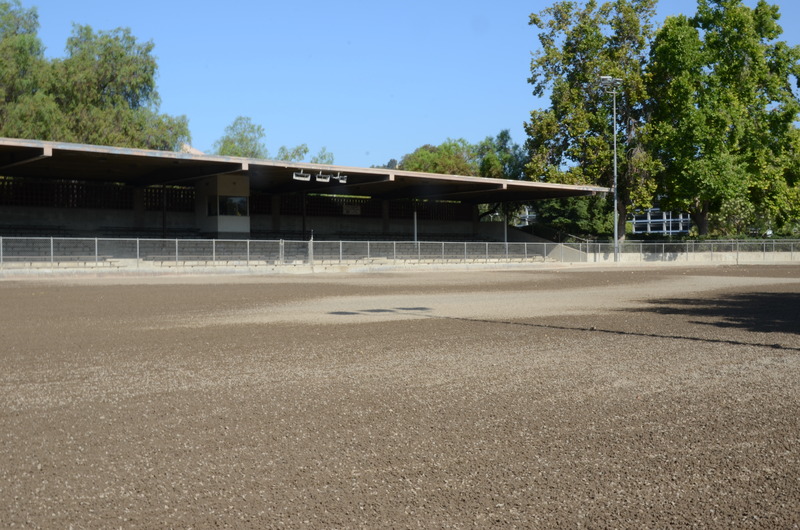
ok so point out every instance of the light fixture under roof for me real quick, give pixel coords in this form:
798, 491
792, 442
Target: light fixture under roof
322, 178
299, 175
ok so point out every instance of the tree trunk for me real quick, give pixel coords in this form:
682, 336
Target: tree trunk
699, 217
621, 220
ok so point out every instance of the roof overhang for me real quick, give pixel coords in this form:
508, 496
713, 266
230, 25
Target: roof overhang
140, 167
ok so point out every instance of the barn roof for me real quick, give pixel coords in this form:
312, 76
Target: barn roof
141, 167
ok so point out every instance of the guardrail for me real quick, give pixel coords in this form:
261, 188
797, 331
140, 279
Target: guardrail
728, 251
58, 252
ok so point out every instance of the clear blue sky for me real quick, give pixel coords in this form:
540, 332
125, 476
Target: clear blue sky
368, 80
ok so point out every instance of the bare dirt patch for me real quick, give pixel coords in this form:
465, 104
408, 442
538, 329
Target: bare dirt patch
571, 397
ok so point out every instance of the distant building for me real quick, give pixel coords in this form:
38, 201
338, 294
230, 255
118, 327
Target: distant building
656, 221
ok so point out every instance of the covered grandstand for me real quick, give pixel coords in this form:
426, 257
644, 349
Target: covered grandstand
62, 189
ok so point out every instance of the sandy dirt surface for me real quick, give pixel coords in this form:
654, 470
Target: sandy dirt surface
609, 398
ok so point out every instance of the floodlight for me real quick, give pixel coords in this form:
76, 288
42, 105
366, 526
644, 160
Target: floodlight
299, 175
322, 178
608, 81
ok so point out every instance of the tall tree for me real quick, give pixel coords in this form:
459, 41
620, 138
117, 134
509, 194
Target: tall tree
451, 157
723, 116
499, 157
106, 89
295, 154
103, 92
21, 52
322, 157
571, 141
246, 139
242, 138
27, 109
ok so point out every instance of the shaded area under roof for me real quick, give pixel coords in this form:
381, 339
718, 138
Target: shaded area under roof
140, 167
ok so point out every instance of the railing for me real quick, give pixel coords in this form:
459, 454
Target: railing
53, 252
729, 251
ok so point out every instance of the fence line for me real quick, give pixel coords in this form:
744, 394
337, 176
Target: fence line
32, 252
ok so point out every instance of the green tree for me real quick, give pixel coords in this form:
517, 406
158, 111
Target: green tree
575, 216
452, 157
500, 158
571, 141
295, 154
21, 52
103, 92
106, 89
27, 110
322, 157
723, 116
242, 138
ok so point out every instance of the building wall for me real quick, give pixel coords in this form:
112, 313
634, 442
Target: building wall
15, 220
359, 227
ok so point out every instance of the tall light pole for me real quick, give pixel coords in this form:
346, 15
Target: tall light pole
606, 81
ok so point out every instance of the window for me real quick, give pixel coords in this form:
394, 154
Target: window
224, 205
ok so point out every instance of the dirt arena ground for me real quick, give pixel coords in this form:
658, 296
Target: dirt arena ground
569, 397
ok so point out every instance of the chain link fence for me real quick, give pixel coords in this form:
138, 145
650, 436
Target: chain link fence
55, 252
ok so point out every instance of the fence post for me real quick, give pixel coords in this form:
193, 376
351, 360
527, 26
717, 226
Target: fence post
1, 251
214, 251
138, 255
52, 258
311, 252
96, 259
340, 252
176, 251
248, 252
280, 252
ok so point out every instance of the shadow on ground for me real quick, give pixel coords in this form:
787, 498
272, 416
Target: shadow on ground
760, 312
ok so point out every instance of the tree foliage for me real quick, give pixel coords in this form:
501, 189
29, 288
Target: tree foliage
453, 157
707, 110
723, 116
246, 139
242, 138
295, 154
322, 157
103, 92
571, 141
499, 157
494, 157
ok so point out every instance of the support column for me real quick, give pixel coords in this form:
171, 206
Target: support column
276, 213
385, 216
138, 208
